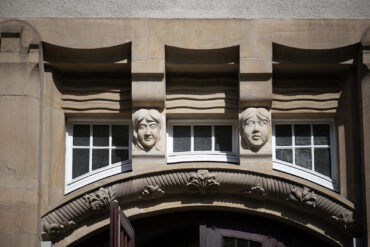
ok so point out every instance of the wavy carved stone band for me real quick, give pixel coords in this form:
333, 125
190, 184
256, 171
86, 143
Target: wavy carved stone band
206, 182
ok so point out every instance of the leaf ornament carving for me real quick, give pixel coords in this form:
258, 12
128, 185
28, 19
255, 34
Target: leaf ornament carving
152, 191
303, 195
256, 191
203, 182
100, 199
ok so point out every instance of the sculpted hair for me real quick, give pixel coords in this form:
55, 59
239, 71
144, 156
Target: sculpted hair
261, 113
142, 114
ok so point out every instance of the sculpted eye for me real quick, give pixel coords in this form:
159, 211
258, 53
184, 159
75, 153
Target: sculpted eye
262, 122
249, 123
142, 126
153, 126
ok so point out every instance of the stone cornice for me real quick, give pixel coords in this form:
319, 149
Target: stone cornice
210, 184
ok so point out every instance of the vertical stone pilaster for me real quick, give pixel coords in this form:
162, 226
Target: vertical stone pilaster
365, 99
255, 91
148, 93
20, 135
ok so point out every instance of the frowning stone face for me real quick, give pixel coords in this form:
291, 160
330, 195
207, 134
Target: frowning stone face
147, 126
255, 127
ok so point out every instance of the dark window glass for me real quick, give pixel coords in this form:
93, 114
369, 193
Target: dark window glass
224, 138
101, 135
80, 162
284, 155
229, 242
202, 138
322, 161
242, 242
303, 157
120, 135
302, 133
81, 135
181, 138
100, 158
119, 155
321, 134
254, 244
283, 135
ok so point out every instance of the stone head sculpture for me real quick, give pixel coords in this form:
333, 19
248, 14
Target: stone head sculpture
147, 127
255, 126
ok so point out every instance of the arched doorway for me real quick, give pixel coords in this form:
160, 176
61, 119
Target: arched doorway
210, 229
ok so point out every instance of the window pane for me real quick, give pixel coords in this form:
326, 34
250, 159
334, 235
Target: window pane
284, 155
119, 155
202, 138
283, 135
254, 244
302, 133
100, 158
120, 135
224, 138
242, 242
181, 138
101, 135
321, 134
303, 157
322, 161
80, 162
81, 135
229, 242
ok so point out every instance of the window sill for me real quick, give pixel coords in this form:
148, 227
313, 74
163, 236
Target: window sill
202, 156
97, 175
306, 174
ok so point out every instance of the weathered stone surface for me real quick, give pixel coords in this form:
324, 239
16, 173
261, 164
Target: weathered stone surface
309, 34
107, 32
201, 34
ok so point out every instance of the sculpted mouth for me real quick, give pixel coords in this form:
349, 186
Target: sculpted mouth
256, 136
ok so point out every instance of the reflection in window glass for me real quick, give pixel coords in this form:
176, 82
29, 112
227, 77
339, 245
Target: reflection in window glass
202, 138
307, 146
283, 135
223, 138
181, 138
87, 157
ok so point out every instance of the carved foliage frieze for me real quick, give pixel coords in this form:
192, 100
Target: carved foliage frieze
304, 196
100, 200
55, 228
203, 182
256, 191
151, 191
345, 219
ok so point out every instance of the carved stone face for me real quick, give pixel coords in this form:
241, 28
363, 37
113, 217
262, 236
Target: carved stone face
148, 133
147, 126
255, 127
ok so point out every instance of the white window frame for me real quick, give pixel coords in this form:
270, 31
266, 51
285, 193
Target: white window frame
311, 175
190, 156
110, 170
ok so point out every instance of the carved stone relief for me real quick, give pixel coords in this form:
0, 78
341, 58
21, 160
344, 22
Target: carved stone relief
152, 191
203, 182
55, 228
255, 126
165, 185
345, 219
100, 199
303, 195
255, 192
147, 127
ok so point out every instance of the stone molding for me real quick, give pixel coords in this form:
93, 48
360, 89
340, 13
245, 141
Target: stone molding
211, 184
